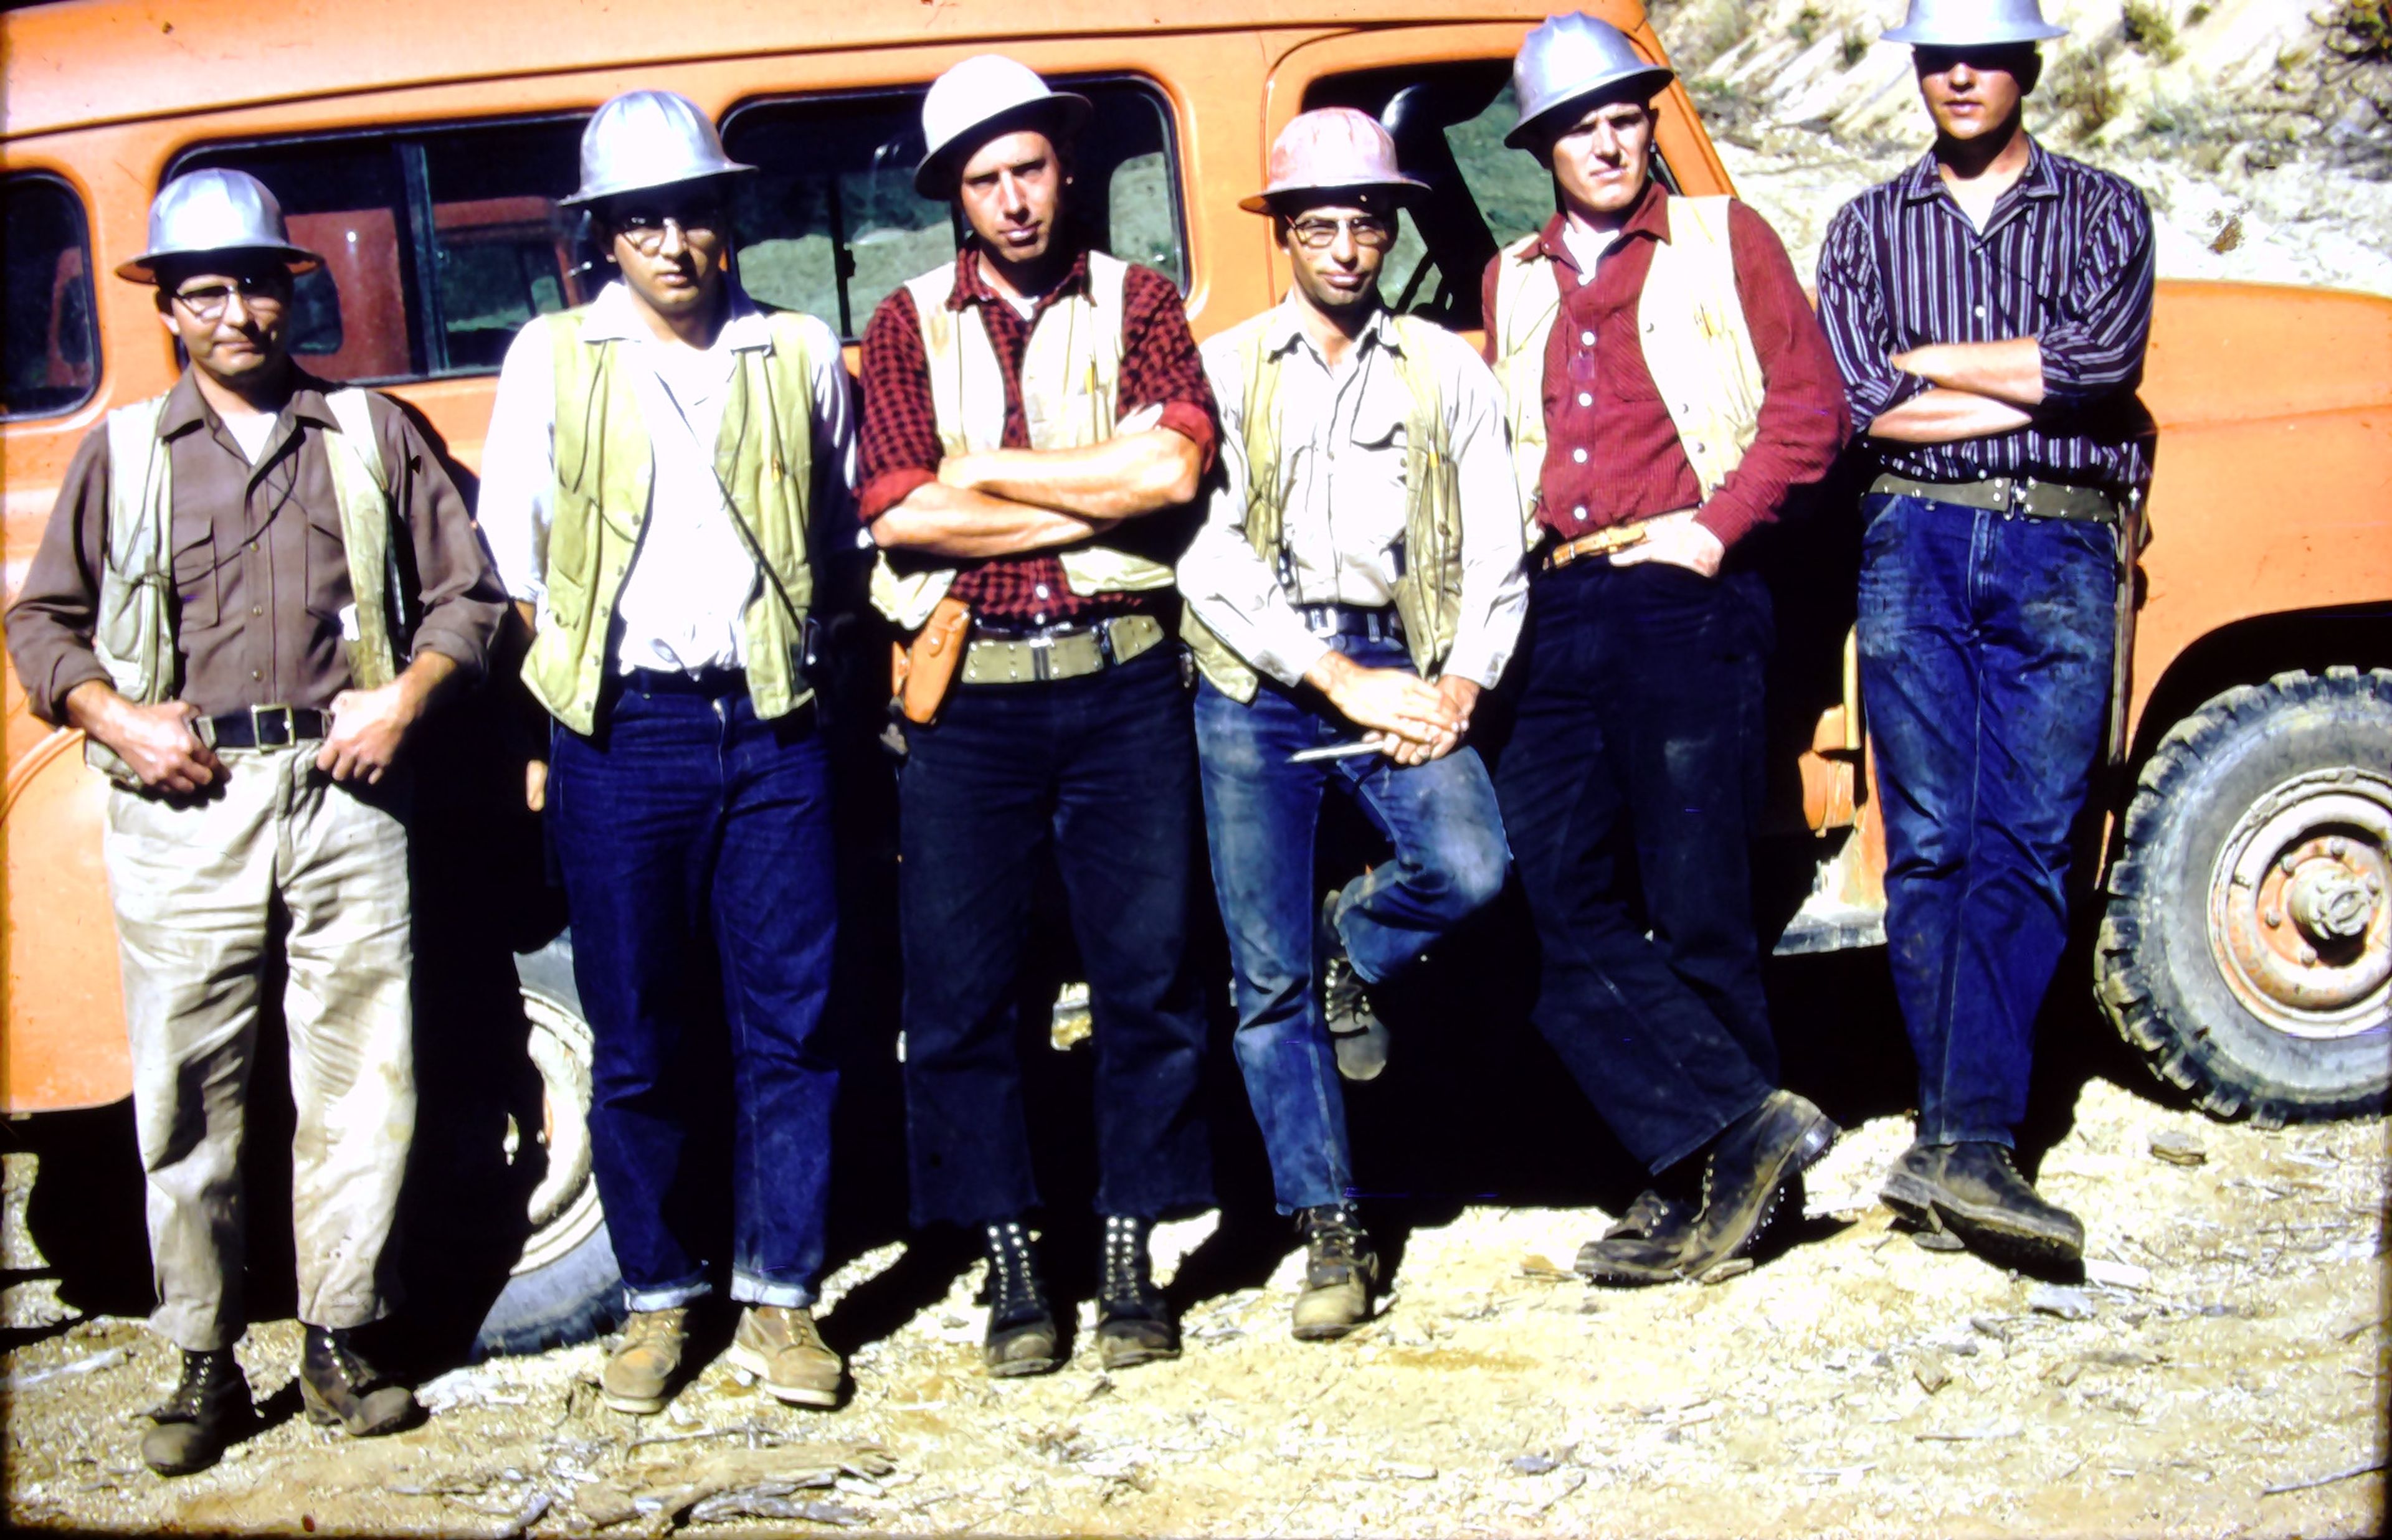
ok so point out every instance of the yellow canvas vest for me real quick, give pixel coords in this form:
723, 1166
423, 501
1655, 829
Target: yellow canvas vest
1428, 589
1070, 374
133, 632
604, 470
1697, 346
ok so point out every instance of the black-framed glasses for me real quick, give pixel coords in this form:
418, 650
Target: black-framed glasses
1315, 233
207, 302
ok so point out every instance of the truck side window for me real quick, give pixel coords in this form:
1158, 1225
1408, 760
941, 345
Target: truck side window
438, 245
831, 224
1448, 122
52, 345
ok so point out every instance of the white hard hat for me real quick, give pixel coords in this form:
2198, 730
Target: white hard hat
204, 211
972, 102
648, 139
1568, 59
1956, 23
1331, 146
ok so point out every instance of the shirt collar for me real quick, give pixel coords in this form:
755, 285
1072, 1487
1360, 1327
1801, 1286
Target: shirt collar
972, 289
1925, 178
611, 319
1649, 215
186, 409
1285, 330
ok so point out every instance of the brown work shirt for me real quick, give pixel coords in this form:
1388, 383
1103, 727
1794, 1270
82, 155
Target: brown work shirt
261, 571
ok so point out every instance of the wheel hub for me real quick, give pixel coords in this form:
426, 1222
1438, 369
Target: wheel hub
563, 1207
2300, 921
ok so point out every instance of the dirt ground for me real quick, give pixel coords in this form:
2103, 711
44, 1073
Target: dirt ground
2220, 1372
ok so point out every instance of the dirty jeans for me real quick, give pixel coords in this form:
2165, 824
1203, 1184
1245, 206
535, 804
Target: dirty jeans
1629, 787
1985, 645
1261, 814
1101, 768
195, 883
695, 843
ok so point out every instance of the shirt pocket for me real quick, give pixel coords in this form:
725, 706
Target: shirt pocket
329, 592
1626, 375
197, 604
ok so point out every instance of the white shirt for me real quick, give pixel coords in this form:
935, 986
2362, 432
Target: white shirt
1340, 443
1586, 246
691, 578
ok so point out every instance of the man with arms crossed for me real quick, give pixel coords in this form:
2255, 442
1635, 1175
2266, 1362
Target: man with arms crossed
218, 603
1667, 389
655, 463
1989, 308
1028, 408
1365, 544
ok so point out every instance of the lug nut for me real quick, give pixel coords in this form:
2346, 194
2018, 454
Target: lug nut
2337, 847
2274, 918
2288, 862
2309, 956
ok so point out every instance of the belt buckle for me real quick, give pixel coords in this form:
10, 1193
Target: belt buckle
259, 716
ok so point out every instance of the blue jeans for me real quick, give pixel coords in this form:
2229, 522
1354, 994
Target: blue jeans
1103, 768
696, 844
1985, 646
1629, 789
1261, 813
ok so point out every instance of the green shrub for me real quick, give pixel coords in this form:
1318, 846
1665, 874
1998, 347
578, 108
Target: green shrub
2150, 32
1856, 43
2080, 92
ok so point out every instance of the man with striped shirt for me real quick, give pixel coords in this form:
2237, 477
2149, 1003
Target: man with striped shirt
1989, 309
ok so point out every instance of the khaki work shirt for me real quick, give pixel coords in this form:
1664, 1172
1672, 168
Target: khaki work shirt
261, 571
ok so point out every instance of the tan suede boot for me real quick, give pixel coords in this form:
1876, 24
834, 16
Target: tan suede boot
645, 1360
781, 1346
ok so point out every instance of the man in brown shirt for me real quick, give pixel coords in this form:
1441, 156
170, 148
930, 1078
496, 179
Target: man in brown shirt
250, 591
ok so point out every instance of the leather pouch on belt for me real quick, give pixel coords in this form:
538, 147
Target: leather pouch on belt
922, 672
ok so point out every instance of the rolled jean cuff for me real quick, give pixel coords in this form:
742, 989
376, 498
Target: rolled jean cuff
1950, 1135
1687, 1150
668, 1297
749, 1289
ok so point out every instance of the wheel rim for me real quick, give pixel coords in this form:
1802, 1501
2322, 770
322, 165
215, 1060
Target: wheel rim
2299, 917
563, 1204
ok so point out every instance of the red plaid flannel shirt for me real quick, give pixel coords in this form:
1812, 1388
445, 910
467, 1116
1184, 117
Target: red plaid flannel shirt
901, 450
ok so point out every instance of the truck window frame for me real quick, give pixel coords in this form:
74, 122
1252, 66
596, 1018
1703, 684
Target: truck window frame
96, 356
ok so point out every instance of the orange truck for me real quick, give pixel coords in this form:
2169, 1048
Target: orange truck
2245, 934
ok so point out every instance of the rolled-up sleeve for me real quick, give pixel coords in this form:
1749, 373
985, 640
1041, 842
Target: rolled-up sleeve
1161, 366
1494, 576
899, 448
2097, 348
1853, 311
50, 621
460, 591
519, 464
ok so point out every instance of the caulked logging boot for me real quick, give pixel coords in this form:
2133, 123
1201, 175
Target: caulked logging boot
1022, 1338
209, 1411
1134, 1322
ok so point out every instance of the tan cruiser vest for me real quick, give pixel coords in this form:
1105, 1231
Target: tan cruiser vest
605, 470
1428, 589
134, 631
1071, 376
1697, 346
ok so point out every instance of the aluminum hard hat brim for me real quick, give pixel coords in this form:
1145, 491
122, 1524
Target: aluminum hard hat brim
1927, 35
143, 269
581, 197
1406, 190
1648, 83
935, 178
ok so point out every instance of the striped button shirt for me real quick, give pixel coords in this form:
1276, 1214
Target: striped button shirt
2065, 257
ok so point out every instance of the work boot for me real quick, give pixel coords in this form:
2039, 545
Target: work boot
1355, 1029
209, 1410
645, 1358
781, 1346
1752, 1163
341, 1390
1134, 1322
1972, 1192
1341, 1272
1645, 1246
1022, 1338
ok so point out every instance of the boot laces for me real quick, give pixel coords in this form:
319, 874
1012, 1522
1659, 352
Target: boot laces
202, 1372
1129, 1275
1332, 1235
1012, 1272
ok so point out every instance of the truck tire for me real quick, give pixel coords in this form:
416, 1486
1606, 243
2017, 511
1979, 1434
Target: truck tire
564, 1287
2247, 944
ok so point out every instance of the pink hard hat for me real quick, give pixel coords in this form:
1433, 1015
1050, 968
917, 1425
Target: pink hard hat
1331, 147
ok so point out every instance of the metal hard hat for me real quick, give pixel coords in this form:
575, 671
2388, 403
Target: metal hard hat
1331, 146
1570, 59
1956, 23
204, 212
648, 139
974, 96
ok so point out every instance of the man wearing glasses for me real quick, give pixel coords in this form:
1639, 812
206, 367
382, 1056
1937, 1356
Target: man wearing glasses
1356, 585
656, 462
1669, 389
220, 603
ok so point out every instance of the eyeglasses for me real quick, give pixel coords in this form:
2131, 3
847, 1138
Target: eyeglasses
258, 291
645, 227
1367, 230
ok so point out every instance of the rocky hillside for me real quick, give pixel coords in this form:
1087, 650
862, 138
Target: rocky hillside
2261, 129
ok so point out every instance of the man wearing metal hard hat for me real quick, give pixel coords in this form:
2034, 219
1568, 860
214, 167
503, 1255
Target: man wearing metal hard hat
1669, 390
1356, 585
1035, 424
658, 462
253, 588
1989, 308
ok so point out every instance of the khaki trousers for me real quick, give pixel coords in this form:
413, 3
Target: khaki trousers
196, 883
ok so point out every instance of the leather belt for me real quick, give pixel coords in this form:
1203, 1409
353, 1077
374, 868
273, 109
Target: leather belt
1059, 652
2036, 499
1586, 547
1378, 623
263, 727
713, 682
